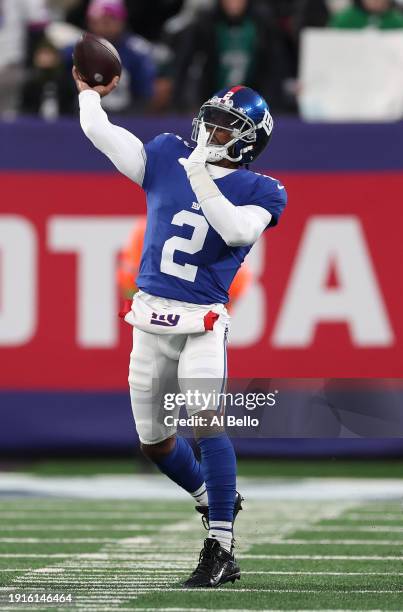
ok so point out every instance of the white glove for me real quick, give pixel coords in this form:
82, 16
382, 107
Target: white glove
198, 156
195, 167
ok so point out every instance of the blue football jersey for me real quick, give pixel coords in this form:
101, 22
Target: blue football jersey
183, 257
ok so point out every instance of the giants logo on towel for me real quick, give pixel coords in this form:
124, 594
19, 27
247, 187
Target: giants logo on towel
169, 320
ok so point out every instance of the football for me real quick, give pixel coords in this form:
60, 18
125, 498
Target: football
96, 60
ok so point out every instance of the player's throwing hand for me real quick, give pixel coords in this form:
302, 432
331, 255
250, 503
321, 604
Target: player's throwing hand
103, 90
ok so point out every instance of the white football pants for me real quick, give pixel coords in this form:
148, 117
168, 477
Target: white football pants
175, 363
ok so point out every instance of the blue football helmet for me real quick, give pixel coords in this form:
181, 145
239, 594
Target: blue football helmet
245, 115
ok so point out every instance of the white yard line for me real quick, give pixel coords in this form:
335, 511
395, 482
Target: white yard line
76, 527
152, 589
303, 573
372, 529
49, 515
168, 558
101, 608
313, 591
147, 542
128, 589
229, 610
132, 571
103, 527
326, 557
374, 517
138, 540
107, 609
327, 542
72, 527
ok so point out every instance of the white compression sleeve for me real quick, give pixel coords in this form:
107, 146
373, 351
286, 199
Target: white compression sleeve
124, 149
237, 225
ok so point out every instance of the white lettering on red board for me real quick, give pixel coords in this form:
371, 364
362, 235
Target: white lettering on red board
357, 300
18, 280
96, 241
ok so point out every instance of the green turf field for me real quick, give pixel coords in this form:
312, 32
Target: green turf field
132, 554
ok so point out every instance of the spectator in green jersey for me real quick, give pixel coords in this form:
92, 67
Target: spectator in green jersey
368, 13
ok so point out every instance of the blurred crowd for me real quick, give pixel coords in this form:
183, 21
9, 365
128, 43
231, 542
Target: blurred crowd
175, 53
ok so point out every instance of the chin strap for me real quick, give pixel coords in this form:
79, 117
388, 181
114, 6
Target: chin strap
217, 153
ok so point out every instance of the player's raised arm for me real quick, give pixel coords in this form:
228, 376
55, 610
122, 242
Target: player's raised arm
237, 225
124, 149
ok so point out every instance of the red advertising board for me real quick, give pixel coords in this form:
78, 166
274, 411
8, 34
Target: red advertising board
326, 300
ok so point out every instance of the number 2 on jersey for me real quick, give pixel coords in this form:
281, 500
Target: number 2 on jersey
193, 245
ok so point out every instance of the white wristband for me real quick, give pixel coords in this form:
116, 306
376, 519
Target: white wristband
202, 183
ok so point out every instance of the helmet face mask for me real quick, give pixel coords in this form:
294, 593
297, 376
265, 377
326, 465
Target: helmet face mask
248, 125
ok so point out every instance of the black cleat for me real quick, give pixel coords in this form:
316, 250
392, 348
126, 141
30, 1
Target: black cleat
216, 566
204, 509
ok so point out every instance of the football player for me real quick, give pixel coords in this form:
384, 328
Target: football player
205, 210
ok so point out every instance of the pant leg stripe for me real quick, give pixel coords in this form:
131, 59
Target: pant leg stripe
221, 407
